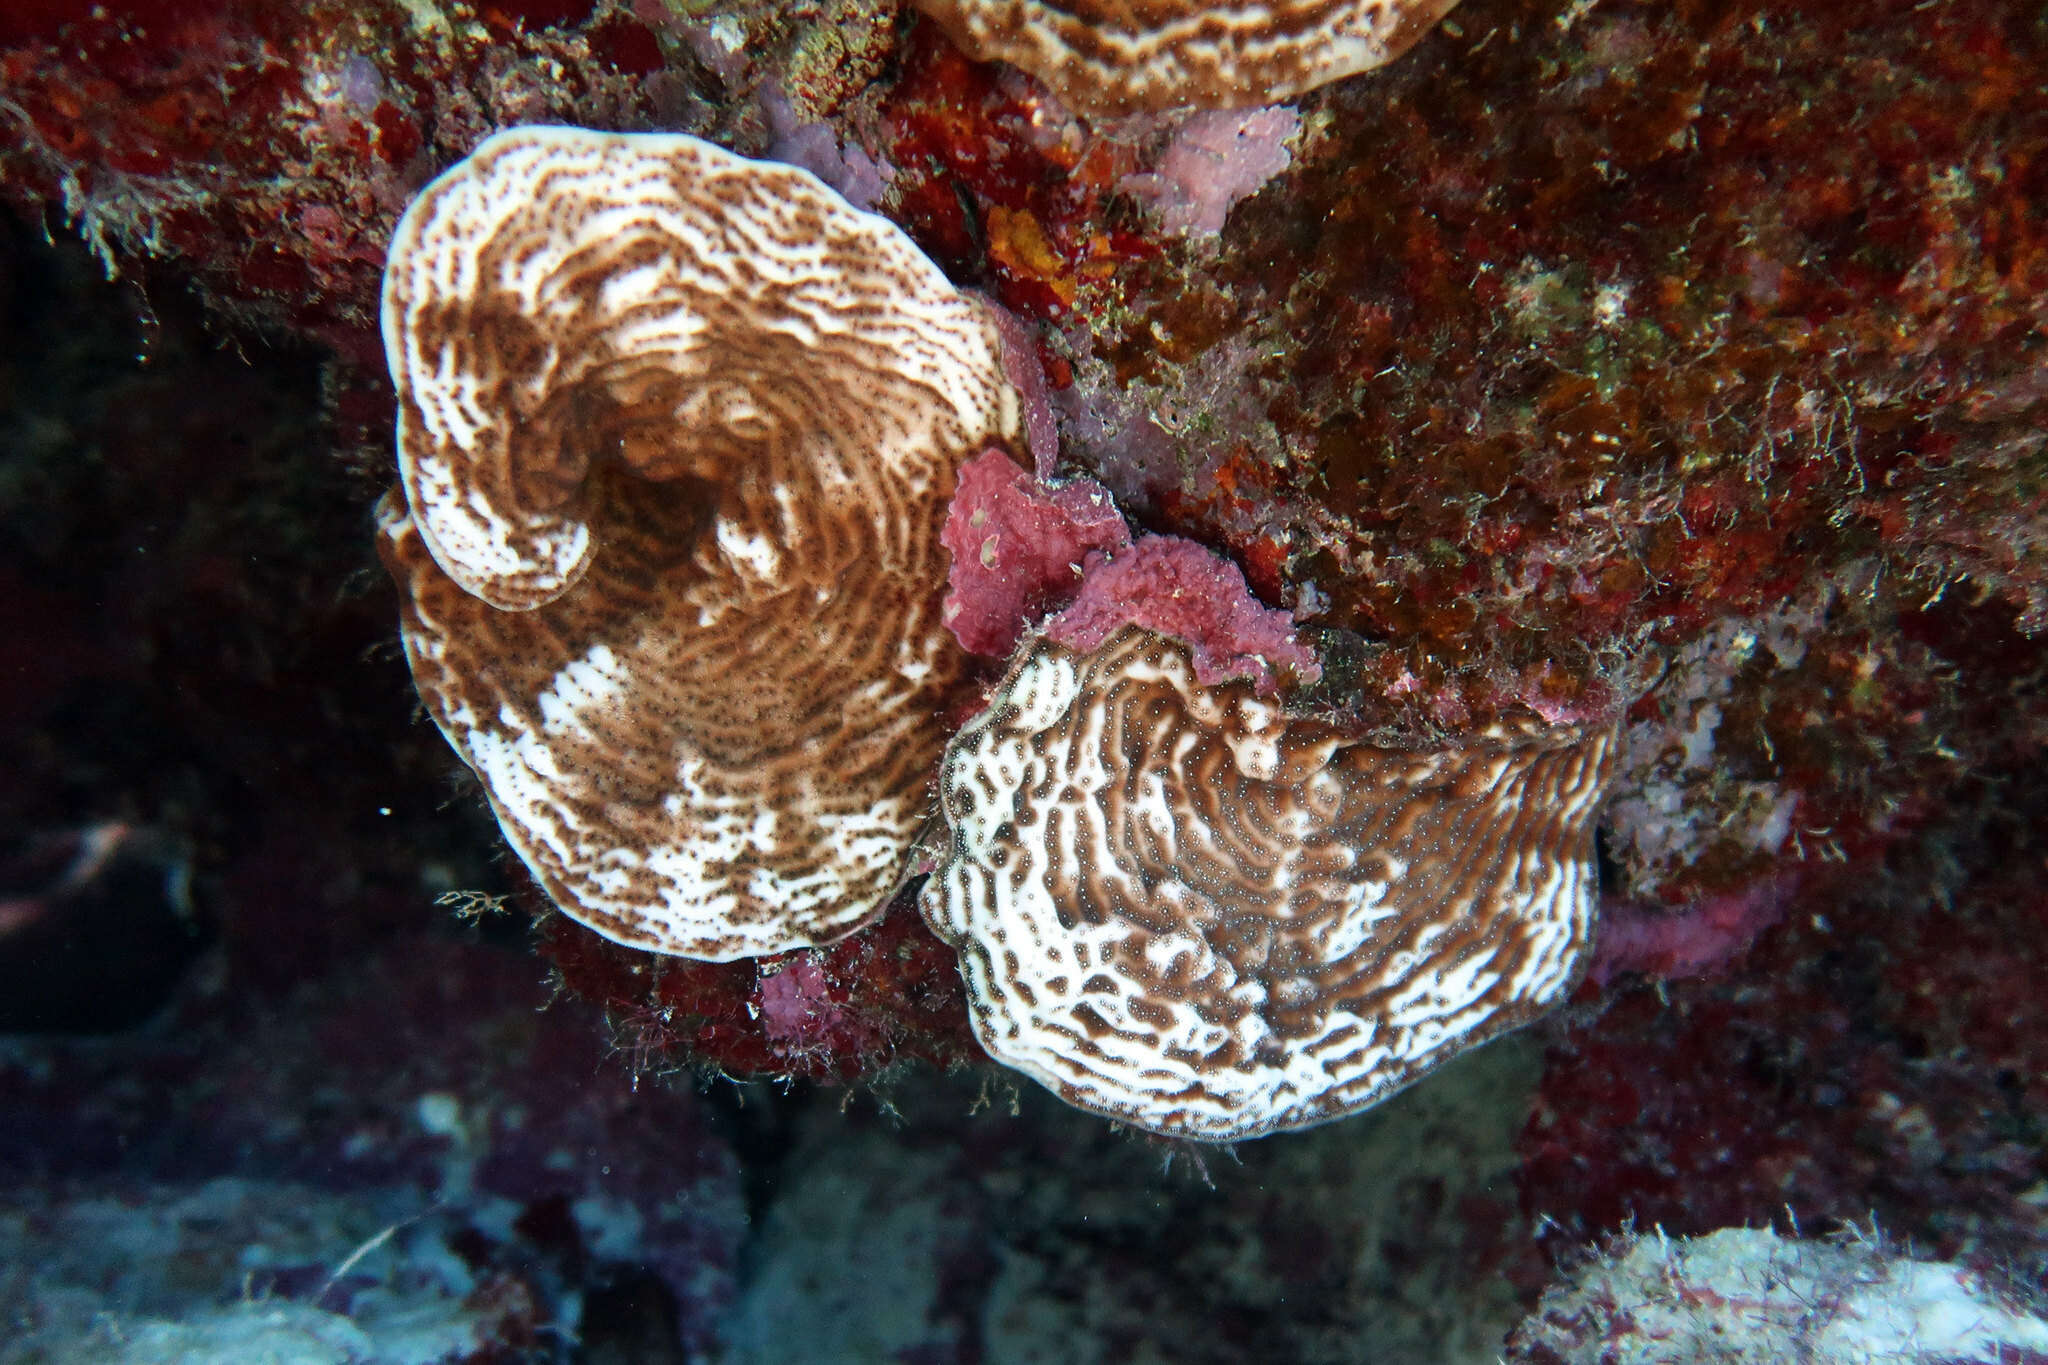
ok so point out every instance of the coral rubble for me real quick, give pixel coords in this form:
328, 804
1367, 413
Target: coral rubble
1745, 1296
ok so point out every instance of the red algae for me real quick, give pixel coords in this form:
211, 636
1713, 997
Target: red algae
1215, 159
886, 995
1002, 187
799, 1010
297, 132
1878, 1052
1691, 409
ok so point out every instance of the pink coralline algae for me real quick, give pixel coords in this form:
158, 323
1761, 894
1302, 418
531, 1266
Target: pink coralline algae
1215, 159
1701, 939
817, 148
1023, 548
799, 1011
1018, 547
1175, 587
1026, 372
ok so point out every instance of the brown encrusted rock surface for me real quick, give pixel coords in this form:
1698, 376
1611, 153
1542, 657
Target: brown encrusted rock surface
677, 432
1109, 56
1179, 907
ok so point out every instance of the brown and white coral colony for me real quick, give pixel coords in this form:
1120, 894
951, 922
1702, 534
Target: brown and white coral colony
677, 433
1121, 56
1178, 906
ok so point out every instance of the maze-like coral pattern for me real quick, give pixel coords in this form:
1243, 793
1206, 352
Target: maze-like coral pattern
1179, 907
677, 432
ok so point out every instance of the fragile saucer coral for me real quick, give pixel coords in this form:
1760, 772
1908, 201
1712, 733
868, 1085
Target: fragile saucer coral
1179, 907
676, 435
1116, 56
